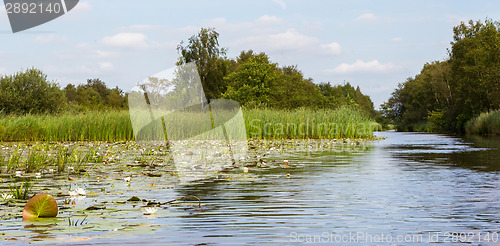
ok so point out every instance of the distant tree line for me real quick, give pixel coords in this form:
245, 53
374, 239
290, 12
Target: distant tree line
446, 94
95, 95
31, 92
254, 81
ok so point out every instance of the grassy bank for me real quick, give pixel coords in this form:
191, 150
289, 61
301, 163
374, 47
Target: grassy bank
485, 123
116, 126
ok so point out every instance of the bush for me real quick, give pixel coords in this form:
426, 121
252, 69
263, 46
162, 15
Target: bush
485, 123
30, 92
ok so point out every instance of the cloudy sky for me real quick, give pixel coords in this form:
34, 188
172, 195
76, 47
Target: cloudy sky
373, 44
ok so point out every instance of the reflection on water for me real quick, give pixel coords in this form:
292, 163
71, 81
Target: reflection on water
409, 184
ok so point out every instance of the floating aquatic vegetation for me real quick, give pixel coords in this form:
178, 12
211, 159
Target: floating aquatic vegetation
77, 192
40, 206
109, 213
150, 210
7, 196
21, 192
77, 222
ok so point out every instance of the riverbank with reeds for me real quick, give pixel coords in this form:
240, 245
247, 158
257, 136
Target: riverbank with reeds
487, 123
115, 125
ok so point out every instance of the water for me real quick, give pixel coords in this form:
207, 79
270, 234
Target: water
408, 188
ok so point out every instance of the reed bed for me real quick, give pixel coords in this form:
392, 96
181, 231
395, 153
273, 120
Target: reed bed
87, 126
485, 124
344, 122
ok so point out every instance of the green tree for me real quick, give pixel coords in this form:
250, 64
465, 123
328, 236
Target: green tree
423, 98
256, 81
204, 50
252, 82
100, 87
294, 91
116, 98
346, 95
475, 65
95, 95
30, 92
88, 97
70, 92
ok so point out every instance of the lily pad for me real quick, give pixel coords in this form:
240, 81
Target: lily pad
134, 199
40, 206
96, 207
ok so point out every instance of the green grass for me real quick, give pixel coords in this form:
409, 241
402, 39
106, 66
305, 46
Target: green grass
344, 122
20, 193
485, 123
88, 126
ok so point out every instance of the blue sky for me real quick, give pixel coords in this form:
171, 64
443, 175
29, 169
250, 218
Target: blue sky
373, 44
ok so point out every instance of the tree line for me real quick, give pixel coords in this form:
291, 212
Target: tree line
251, 79
254, 81
31, 92
445, 95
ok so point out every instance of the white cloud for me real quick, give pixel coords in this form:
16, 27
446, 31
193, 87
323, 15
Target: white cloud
332, 48
290, 39
139, 28
86, 50
49, 38
126, 40
102, 54
396, 40
360, 66
265, 24
106, 65
267, 38
281, 3
270, 20
368, 17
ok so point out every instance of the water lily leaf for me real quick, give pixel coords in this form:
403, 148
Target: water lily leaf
96, 207
134, 199
40, 206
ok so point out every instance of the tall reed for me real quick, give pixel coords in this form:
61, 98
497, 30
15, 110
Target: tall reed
485, 123
87, 126
344, 122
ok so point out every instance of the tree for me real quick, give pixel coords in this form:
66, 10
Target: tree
100, 87
427, 96
204, 50
30, 92
95, 95
475, 65
88, 97
294, 91
70, 92
346, 95
252, 82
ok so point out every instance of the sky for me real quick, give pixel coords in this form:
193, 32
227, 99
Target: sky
371, 44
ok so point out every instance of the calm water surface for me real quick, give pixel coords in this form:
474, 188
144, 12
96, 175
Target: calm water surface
410, 187
406, 186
